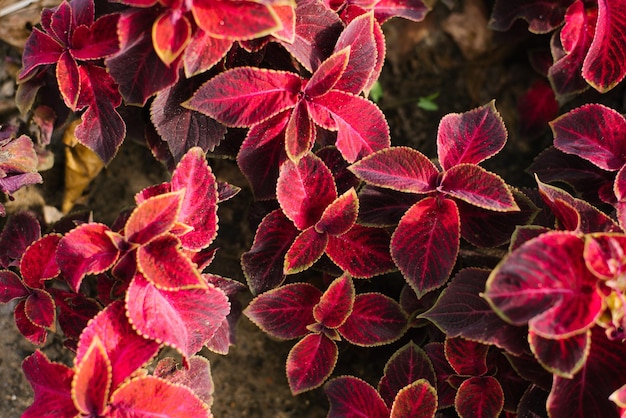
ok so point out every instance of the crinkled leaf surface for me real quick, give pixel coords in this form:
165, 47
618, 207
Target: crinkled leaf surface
479, 397
310, 362
285, 312
604, 254
546, 284
336, 303
426, 242
351, 397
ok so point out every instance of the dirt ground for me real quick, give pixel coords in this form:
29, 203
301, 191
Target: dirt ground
451, 54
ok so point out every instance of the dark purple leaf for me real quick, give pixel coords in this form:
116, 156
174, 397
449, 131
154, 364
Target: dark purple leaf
563, 357
542, 16
443, 371
310, 362
479, 397
351, 397
32, 332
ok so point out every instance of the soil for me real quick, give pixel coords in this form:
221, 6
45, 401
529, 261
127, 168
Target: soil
450, 53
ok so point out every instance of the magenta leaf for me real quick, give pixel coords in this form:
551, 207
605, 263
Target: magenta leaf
244, 96
601, 68
376, 319
236, 19
587, 394
466, 357
310, 362
426, 242
593, 132
203, 51
328, 73
305, 250
336, 303
285, 312
419, 399
478, 187
11, 287
32, 332
52, 384
563, 357
362, 252
361, 126
197, 377
479, 396
305, 189
351, 397
407, 365
339, 216
415, 10
182, 319
300, 132
398, 168
263, 264
470, 137
136, 397
40, 309
153, 217
86, 249
199, 203
92, 380
542, 16
543, 283
603, 254
39, 261
460, 311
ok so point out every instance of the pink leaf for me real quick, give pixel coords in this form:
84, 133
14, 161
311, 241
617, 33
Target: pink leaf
376, 319
39, 262
126, 350
305, 250
362, 252
285, 312
20, 230
466, 357
426, 242
328, 73
443, 371
85, 250
602, 67
407, 365
136, 397
244, 96
153, 217
479, 396
203, 52
593, 132
305, 189
351, 397
240, 20
170, 35
51, 383
544, 281
603, 254
478, 187
336, 303
97, 41
339, 216
417, 400
92, 380
263, 264
470, 137
398, 168
199, 203
310, 362
563, 357
183, 319
11, 287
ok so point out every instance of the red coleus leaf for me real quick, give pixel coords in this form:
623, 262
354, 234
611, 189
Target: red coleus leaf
69, 79
466, 357
39, 261
171, 32
285, 312
300, 132
601, 68
40, 49
199, 203
362, 251
351, 397
587, 394
244, 96
96, 41
339, 216
546, 284
310, 362
263, 264
419, 399
126, 350
563, 357
460, 311
426, 242
536, 108
136, 397
11, 287
153, 217
415, 10
197, 377
328, 73
478, 187
336, 303
470, 137
305, 250
203, 51
32, 332
593, 132
51, 383
40, 309
604, 253
86, 249
398, 168
20, 230
305, 189
407, 365
92, 380
74, 312
183, 319
479, 396
542, 16
376, 319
